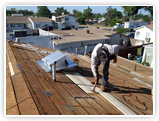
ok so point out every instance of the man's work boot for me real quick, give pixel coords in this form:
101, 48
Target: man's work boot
102, 88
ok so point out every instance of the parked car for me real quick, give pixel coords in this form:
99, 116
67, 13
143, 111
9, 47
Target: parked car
66, 28
47, 28
117, 25
131, 35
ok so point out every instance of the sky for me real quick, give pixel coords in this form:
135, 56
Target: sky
95, 9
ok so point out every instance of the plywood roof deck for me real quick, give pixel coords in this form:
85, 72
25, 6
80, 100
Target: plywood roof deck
133, 88
25, 86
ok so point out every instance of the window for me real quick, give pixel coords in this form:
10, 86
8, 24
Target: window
147, 37
66, 19
12, 25
19, 25
37, 25
137, 34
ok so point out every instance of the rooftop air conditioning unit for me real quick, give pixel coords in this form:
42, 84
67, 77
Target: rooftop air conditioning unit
57, 61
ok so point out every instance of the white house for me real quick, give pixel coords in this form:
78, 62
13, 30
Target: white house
40, 22
144, 33
17, 23
65, 20
26, 22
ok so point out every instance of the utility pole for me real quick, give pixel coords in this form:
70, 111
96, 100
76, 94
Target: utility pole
87, 15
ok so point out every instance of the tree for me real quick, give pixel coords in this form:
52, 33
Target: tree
122, 30
133, 10
87, 13
81, 20
13, 10
146, 18
112, 14
43, 11
8, 12
98, 15
78, 14
74, 11
59, 11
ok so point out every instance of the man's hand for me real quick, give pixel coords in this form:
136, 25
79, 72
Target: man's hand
115, 59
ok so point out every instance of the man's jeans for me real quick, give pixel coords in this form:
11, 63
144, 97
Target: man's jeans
105, 68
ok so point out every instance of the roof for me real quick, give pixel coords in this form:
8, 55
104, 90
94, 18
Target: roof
41, 19
94, 34
141, 20
17, 19
31, 84
62, 16
150, 26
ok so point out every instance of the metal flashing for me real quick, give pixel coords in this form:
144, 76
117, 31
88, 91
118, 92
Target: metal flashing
69, 107
19, 67
47, 93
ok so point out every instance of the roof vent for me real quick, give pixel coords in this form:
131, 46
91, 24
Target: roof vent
57, 61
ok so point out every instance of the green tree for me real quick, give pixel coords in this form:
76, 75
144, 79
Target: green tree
13, 10
122, 30
74, 11
112, 14
138, 16
88, 13
81, 20
146, 18
98, 15
43, 11
78, 14
59, 11
8, 12
113, 21
133, 10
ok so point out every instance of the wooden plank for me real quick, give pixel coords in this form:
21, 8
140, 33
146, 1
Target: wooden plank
70, 87
8, 74
28, 107
10, 99
120, 95
81, 81
58, 100
12, 59
117, 103
39, 107
123, 108
46, 104
106, 105
122, 73
67, 97
56, 97
78, 92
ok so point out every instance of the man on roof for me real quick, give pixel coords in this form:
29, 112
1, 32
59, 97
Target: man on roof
103, 53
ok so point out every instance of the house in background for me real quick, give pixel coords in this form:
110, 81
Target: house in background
148, 54
17, 23
144, 34
65, 20
40, 22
